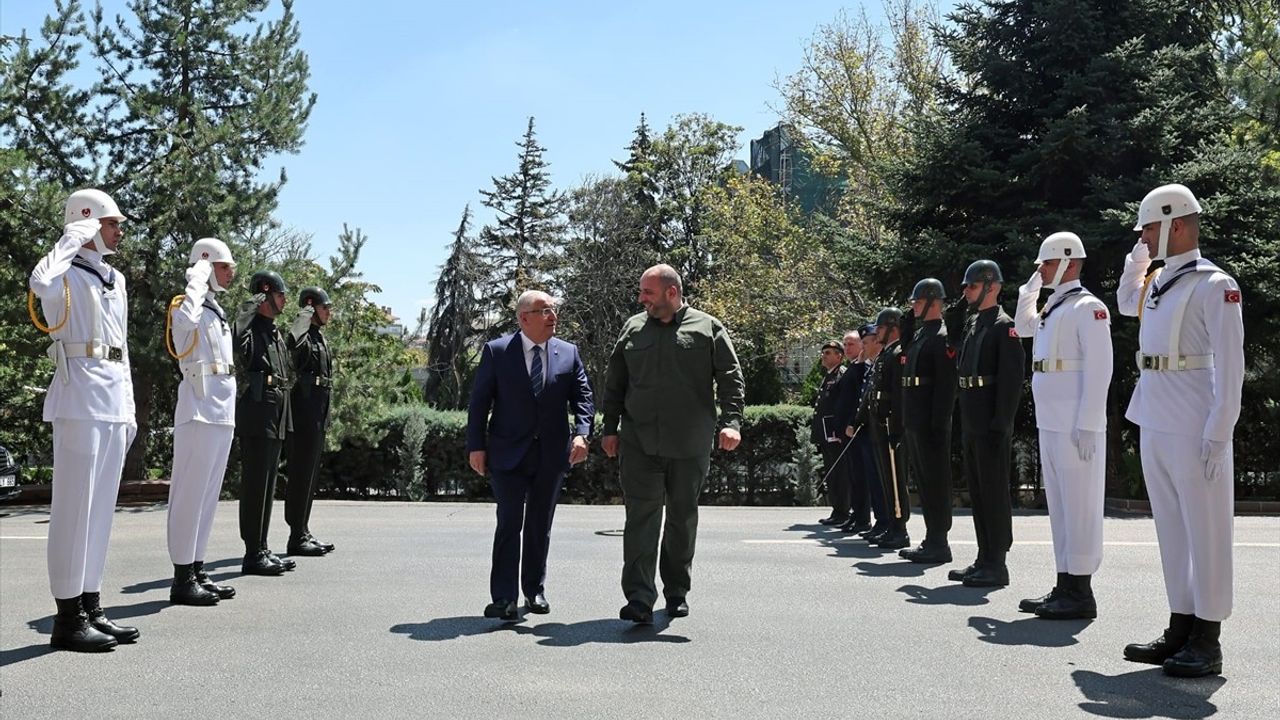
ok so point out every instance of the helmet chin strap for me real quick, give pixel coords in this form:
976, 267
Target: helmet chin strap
213, 283
1162, 250
1063, 263
101, 245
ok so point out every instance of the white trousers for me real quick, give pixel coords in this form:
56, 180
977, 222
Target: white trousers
1194, 524
1075, 490
88, 457
199, 462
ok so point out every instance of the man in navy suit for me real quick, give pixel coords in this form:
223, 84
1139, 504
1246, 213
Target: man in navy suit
518, 431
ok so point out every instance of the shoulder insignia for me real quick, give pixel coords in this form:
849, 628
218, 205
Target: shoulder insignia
902, 359
1232, 296
951, 353
1100, 314
1013, 333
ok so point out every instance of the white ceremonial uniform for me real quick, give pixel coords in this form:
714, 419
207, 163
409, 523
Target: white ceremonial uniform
90, 404
1179, 411
1072, 363
204, 420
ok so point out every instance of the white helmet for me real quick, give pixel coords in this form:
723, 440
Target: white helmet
1163, 205
215, 251
91, 204
1065, 246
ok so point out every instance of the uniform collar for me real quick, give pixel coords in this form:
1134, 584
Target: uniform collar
94, 258
1064, 288
1173, 262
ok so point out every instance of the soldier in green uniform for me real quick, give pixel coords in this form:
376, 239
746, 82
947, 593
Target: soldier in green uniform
991, 366
670, 369
928, 396
262, 416
309, 403
881, 416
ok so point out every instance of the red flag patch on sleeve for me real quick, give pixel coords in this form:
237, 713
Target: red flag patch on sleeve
1099, 314
902, 359
1013, 333
1232, 296
951, 353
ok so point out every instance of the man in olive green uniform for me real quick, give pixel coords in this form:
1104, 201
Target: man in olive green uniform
262, 416
659, 387
829, 440
881, 415
991, 366
928, 396
309, 403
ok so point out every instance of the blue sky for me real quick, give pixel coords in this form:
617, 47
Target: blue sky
421, 104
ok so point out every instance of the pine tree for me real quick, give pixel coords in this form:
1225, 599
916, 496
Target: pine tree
452, 323
640, 173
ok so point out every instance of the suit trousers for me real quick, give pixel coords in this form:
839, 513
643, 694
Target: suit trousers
305, 447
867, 485
1194, 524
526, 497
1074, 490
986, 464
259, 463
897, 498
199, 464
930, 456
651, 483
88, 457
836, 470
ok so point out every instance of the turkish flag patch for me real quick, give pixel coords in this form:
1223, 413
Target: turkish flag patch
951, 353
1099, 314
1232, 296
902, 359
1013, 333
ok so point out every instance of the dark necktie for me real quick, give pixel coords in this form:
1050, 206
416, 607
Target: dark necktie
535, 371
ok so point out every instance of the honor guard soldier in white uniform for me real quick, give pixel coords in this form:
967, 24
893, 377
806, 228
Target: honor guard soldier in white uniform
1071, 370
199, 338
90, 404
1186, 403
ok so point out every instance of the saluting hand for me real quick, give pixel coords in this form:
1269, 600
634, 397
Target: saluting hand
83, 230
729, 439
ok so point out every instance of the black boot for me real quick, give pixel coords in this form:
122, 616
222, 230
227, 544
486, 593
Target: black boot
959, 575
1029, 605
1165, 646
186, 591
1075, 602
992, 573
1202, 655
72, 631
98, 619
224, 592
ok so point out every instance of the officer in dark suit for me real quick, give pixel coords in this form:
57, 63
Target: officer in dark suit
825, 435
263, 418
991, 372
881, 416
309, 402
526, 385
868, 490
928, 396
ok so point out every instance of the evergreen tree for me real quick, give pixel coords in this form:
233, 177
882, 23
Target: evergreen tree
521, 249
640, 173
452, 323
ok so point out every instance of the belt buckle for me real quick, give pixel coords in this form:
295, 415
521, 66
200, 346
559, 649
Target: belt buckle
1037, 366
269, 380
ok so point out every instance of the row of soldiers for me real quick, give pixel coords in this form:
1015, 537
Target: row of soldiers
241, 378
889, 415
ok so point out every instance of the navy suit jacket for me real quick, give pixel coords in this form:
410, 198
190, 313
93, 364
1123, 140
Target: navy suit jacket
505, 419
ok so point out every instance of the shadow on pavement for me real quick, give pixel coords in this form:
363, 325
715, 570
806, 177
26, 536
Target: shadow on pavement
17, 655
949, 594
166, 582
900, 569
1147, 694
1029, 631
552, 634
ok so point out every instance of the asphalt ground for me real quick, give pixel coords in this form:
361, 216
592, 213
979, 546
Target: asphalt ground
788, 620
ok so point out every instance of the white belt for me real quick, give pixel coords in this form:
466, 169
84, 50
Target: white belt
1058, 365
1161, 363
100, 351
208, 368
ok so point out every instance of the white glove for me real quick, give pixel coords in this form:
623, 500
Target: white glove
1034, 283
200, 271
1140, 253
83, 230
1086, 442
1214, 455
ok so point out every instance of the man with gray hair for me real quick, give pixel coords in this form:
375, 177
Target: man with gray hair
518, 433
661, 421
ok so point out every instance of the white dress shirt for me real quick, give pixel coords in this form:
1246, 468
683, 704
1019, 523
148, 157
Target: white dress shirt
529, 345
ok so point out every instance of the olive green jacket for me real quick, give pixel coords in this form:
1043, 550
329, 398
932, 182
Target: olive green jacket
660, 380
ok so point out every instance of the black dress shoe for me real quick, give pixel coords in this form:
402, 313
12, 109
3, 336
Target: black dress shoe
327, 547
286, 563
927, 555
502, 610
959, 575
833, 520
100, 622
875, 530
857, 528
304, 547
874, 535
1165, 646
894, 540
224, 592
72, 631
677, 607
988, 576
258, 564
537, 604
636, 614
